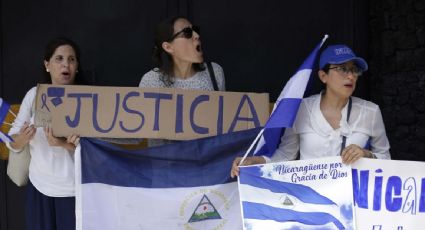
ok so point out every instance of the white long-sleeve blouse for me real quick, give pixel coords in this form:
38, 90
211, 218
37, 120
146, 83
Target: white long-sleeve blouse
313, 137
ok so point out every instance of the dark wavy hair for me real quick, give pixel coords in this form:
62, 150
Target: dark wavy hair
163, 60
50, 50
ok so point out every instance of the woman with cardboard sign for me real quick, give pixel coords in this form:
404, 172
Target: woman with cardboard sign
50, 203
179, 61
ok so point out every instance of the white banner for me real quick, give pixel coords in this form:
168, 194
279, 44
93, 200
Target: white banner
389, 194
308, 194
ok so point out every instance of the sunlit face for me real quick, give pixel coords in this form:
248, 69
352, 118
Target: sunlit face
62, 66
341, 79
183, 49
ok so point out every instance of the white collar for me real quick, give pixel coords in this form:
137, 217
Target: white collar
322, 126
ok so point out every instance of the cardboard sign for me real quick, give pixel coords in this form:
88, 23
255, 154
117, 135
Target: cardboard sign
133, 112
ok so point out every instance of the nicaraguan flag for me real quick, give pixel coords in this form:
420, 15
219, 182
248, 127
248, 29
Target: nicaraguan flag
286, 106
297, 195
4, 109
5, 138
185, 185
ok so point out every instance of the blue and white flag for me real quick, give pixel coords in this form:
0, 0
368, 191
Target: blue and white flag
311, 194
286, 106
5, 138
186, 185
4, 109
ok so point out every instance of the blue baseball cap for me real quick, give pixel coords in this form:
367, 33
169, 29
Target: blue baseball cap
338, 54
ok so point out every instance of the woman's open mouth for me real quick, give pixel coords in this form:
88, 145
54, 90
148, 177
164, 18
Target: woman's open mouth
198, 48
66, 74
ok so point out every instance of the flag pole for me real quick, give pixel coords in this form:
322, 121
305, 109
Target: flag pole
7, 123
324, 39
10, 111
252, 146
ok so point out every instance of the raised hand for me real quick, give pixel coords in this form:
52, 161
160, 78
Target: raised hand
26, 133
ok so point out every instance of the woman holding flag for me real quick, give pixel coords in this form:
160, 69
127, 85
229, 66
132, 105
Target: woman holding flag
50, 201
333, 122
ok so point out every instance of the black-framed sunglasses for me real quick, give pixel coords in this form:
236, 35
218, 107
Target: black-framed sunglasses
187, 32
346, 70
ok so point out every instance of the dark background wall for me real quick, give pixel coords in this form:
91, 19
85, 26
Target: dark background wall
259, 44
397, 73
250, 39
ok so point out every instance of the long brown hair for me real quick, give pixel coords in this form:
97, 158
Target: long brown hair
163, 60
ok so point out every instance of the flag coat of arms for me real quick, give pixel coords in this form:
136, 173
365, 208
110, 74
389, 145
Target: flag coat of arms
307, 194
185, 185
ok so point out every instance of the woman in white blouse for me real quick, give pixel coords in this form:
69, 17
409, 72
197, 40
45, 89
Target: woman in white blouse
50, 198
333, 122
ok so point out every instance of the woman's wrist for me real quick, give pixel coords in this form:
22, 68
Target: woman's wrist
16, 146
68, 146
18, 142
369, 154
61, 142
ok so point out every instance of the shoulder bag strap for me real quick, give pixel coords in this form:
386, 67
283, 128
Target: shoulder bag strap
344, 138
212, 76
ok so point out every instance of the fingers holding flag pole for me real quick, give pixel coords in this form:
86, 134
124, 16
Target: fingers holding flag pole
251, 146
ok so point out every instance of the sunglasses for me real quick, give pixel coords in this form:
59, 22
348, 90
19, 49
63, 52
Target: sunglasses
346, 70
187, 32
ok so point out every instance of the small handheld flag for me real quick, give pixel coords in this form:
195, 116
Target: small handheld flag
4, 110
286, 107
